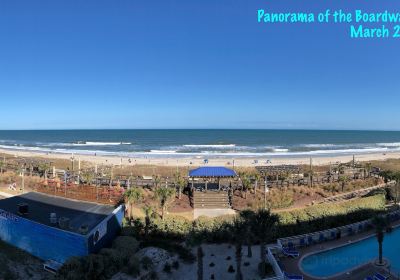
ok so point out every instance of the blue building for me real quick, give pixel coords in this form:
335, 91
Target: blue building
55, 229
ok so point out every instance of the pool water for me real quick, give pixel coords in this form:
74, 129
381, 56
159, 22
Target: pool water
344, 258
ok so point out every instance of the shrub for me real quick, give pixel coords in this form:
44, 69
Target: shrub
175, 265
231, 269
171, 227
133, 267
265, 269
133, 229
126, 245
113, 260
147, 263
167, 268
153, 275
72, 269
184, 253
316, 218
94, 267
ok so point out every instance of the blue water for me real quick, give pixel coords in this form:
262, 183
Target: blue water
210, 143
341, 259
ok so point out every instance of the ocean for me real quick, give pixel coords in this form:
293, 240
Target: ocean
198, 142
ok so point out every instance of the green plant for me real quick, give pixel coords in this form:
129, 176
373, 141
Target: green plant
147, 263
164, 195
180, 183
167, 268
126, 245
175, 265
380, 224
133, 267
231, 269
200, 256
133, 195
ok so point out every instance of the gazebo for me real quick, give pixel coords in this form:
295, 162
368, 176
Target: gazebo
209, 172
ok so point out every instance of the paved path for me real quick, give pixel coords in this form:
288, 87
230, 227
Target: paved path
212, 212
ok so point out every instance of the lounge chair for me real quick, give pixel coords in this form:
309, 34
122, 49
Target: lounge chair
293, 277
321, 238
333, 235
350, 231
290, 252
368, 278
303, 242
310, 240
379, 276
290, 245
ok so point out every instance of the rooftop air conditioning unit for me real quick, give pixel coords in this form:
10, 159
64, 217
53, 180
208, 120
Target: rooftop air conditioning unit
53, 219
63, 223
23, 208
83, 229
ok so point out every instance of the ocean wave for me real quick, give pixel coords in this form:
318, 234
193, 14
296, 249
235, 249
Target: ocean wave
208, 152
88, 143
280, 150
163, 152
394, 144
321, 145
220, 146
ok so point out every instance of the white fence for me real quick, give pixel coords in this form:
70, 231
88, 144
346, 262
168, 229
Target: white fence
277, 269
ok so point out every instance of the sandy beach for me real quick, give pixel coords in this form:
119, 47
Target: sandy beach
197, 161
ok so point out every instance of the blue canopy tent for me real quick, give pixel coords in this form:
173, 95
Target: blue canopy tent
212, 172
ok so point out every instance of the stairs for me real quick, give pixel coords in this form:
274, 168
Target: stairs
210, 200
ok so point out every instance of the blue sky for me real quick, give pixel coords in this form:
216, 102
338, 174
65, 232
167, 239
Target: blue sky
192, 64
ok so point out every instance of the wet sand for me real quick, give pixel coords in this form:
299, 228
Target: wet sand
197, 161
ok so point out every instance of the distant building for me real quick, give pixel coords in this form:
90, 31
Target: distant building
54, 228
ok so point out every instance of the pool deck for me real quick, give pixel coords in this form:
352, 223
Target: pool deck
293, 265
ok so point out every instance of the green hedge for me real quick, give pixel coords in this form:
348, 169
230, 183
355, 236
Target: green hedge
325, 216
310, 219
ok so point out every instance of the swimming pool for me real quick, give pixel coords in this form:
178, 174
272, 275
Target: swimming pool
342, 259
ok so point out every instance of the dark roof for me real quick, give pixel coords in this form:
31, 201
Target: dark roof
41, 205
212, 172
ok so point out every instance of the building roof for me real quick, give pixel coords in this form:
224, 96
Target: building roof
41, 205
209, 171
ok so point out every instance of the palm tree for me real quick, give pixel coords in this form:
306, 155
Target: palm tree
238, 230
156, 180
367, 169
343, 180
200, 256
87, 177
43, 169
257, 178
180, 183
264, 227
133, 195
2, 165
247, 217
21, 172
311, 177
148, 211
380, 224
246, 184
164, 195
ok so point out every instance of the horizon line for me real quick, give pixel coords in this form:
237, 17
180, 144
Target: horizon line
285, 129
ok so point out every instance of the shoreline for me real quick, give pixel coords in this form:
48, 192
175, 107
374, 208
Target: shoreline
197, 161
